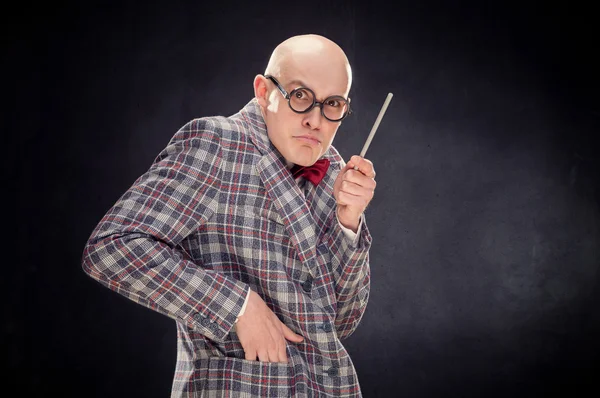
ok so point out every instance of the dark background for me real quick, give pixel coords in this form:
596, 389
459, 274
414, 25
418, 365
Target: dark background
486, 218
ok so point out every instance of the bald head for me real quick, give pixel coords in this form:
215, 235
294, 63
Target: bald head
309, 58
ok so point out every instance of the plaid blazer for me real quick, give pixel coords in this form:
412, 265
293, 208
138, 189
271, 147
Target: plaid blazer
218, 213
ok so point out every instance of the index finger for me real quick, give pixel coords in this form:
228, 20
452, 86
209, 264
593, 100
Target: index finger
365, 166
282, 351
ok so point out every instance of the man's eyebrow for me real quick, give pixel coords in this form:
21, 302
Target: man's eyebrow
298, 82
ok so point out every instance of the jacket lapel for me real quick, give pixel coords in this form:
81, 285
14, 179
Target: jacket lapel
291, 205
320, 199
282, 189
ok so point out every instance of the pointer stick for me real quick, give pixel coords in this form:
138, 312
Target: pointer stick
375, 125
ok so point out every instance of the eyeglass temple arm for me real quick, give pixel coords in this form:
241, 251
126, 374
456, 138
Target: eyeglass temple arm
281, 89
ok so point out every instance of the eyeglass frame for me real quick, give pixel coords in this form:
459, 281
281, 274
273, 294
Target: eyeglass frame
288, 96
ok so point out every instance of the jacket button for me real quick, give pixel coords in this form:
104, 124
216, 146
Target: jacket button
307, 285
327, 327
333, 371
205, 322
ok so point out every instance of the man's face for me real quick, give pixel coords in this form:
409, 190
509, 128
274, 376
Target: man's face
302, 138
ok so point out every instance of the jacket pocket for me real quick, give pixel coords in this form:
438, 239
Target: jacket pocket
246, 378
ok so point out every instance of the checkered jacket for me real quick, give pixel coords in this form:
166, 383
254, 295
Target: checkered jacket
219, 213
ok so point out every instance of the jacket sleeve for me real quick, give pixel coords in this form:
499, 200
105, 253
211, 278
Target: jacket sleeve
351, 273
134, 249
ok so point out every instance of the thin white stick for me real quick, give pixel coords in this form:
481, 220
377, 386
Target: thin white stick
375, 126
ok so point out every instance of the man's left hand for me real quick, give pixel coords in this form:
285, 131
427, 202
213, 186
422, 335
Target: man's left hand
353, 191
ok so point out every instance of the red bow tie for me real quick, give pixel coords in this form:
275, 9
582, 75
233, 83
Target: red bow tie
314, 173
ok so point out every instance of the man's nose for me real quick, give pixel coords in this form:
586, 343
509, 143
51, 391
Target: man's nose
314, 118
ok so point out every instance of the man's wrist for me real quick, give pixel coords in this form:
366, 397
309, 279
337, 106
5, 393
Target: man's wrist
353, 225
243, 306
350, 234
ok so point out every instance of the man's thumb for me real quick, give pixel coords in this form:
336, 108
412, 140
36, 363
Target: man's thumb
290, 335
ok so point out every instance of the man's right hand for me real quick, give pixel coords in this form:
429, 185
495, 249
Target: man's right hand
262, 334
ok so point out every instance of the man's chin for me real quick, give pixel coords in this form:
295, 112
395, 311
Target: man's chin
304, 159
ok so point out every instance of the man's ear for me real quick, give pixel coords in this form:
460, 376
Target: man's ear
260, 90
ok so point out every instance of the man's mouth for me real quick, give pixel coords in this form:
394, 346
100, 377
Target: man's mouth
308, 139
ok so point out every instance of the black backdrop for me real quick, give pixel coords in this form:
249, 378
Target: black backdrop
486, 217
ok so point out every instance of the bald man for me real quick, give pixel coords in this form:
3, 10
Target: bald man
249, 231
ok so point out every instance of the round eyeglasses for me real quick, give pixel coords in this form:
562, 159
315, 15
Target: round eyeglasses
303, 100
